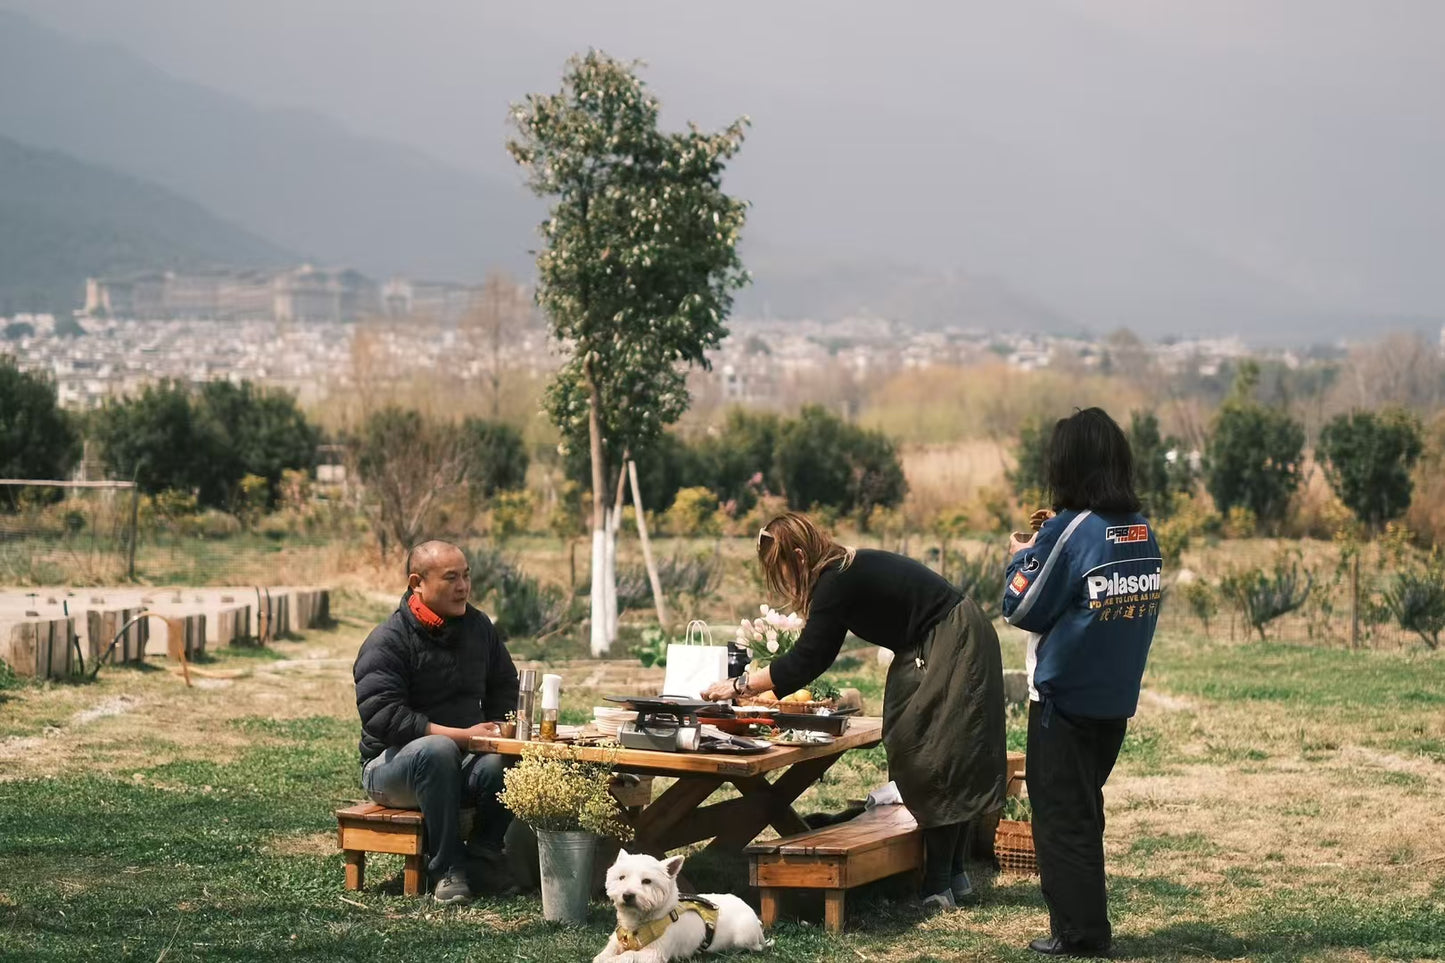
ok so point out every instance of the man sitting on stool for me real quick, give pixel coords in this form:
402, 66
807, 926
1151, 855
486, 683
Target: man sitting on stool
429, 678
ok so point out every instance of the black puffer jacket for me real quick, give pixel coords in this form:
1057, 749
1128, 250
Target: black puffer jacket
408, 676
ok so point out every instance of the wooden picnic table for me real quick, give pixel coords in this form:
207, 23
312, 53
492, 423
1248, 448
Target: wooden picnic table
678, 817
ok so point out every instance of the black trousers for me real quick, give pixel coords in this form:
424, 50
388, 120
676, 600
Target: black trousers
1068, 760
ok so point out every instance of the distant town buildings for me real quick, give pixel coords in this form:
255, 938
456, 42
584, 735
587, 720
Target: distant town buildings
321, 333
304, 294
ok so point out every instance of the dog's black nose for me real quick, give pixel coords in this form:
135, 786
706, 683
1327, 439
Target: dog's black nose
629, 898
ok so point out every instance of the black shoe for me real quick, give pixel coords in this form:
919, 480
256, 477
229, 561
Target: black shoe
1053, 946
453, 890
490, 872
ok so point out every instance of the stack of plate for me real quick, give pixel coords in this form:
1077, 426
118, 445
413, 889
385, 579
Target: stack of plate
609, 719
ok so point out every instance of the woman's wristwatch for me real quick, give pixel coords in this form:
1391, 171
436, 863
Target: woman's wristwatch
740, 684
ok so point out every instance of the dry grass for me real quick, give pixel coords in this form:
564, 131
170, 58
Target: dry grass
950, 476
1271, 801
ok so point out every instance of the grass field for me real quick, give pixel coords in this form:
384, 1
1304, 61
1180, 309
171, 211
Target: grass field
1271, 802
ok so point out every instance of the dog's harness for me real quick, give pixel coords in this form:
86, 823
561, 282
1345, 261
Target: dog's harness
652, 930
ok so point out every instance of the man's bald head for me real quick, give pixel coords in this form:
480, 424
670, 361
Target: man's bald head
424, 555
438, 572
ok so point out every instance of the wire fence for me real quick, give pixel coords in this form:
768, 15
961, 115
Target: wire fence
107, 533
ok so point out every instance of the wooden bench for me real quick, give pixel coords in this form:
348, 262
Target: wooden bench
372, 828
880, 842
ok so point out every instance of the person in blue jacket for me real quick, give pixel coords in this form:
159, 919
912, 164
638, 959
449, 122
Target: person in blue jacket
1086, 587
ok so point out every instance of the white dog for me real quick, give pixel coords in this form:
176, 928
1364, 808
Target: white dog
654, 925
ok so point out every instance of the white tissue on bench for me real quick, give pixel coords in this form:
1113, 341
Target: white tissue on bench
883, 796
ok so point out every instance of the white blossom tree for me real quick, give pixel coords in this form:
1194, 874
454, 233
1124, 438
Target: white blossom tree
638, 271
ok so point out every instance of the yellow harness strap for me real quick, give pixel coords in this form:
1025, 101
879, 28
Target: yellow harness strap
652, 930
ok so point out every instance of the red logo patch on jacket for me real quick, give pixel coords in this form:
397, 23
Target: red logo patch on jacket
1019, 583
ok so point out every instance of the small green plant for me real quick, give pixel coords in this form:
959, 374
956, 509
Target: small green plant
1018, 808
1416, 600
1202, 600
824, 691
652, 650
1261, 597
8, 678
551, 789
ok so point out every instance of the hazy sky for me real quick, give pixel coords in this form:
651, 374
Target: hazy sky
1299, 141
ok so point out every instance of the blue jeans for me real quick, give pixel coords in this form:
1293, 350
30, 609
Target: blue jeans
432, 774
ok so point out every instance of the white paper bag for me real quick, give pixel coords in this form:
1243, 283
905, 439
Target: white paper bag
694, 664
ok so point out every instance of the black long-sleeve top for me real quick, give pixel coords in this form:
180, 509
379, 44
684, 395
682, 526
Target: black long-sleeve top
889, 600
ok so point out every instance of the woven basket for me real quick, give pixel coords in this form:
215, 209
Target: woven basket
1013, 847
788, 706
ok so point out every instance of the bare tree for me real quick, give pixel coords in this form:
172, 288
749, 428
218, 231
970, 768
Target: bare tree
498, 316
408, 464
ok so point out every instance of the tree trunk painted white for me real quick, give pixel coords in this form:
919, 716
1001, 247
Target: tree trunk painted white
600, 641
613, 521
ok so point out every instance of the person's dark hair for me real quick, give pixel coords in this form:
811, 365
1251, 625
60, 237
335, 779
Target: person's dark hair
1090, 464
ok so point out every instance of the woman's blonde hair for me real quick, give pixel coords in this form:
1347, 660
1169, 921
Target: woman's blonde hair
790, 578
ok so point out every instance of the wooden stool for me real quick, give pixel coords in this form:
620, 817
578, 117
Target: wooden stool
370, 828
881, 842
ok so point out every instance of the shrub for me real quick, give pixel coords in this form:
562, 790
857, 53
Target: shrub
1416, 600
824, 460
696, 576
1254, 454
1187, 521
512, 513
1029, 476
489, 566
1261, 597
1202, 600
1240, 522
979, 577
522, 606
693, 512
495, 457
1367, 459
651, 651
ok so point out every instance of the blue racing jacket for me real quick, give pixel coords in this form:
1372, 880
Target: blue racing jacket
1089, 591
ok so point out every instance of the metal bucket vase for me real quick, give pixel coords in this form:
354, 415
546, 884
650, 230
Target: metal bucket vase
566, 864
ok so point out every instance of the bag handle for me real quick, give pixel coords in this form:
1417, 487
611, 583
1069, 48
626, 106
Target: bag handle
698, 633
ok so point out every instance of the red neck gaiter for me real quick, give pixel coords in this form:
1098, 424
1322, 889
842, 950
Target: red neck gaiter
424, 615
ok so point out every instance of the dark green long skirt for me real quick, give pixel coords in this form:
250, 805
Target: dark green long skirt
943, 721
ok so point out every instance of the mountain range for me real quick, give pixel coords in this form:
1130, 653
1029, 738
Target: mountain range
1007, 229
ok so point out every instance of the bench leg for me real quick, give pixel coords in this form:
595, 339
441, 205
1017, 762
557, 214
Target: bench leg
413, 876
833, 909
769, 906
355, 868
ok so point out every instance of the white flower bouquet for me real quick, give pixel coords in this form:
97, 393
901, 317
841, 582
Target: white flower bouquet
767, 637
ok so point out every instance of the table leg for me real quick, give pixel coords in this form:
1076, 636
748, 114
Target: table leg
355, 868
678, 805
770, 803
833, 909
769, 906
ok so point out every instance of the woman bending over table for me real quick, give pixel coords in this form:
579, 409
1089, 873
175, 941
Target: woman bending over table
943, 706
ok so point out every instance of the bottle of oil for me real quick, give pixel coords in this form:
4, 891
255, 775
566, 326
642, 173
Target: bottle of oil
551, 703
